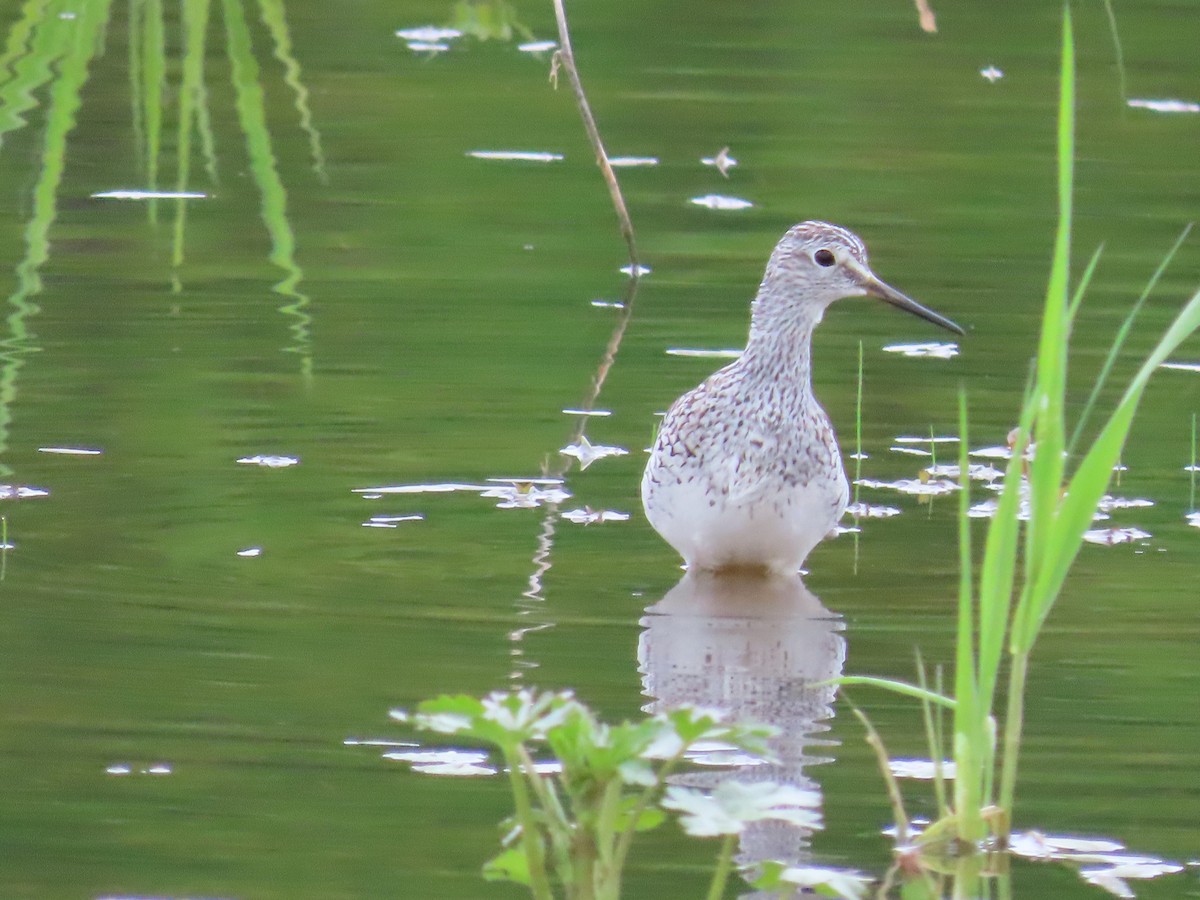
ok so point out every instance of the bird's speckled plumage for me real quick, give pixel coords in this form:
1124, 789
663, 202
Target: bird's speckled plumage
746, 471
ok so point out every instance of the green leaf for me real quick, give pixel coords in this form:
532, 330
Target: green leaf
648, 819
508, 865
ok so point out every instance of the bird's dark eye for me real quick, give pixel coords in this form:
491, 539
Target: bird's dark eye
824, 258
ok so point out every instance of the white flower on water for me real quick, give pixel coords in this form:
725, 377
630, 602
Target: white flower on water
732, 805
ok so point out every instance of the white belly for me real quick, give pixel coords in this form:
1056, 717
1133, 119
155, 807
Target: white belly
776, 529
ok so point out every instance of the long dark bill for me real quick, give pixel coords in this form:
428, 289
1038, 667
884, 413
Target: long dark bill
889, 294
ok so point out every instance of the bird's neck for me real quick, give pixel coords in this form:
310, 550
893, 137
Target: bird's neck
779, 351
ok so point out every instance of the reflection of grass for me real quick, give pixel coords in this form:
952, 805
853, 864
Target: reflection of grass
251, 111
42, 48
45, 48
1021, 575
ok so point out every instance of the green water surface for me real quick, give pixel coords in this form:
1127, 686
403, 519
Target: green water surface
357, 292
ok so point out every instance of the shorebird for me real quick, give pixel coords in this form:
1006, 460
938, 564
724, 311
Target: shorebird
745, 471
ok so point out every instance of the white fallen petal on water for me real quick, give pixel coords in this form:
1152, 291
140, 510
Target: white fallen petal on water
158, 769
839, 530
912, 486
1166, 106
1108, 503
537, 46
608, 304
525, 496
446, 761
523, 481
991, 74
930, 349
70, 451
420, 489
703, 354
1036, 845
269, 462
119, 769
1193, 519
392, 520
517, 155
376, 742
442, 755
720, 201
149, 195
910, 451
428, 33
21, 492
427, 47
1110, 536
975, 471
250, 552
587, 452
588, 516
1180, 366
871, 511
723, 162
920, 769
641, 270
587, 412
1103, 863
993, 453
628, 162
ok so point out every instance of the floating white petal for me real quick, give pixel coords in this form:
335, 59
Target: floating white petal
720, 201
517, 155
269, 462
149, 195
930, 349
1166, 106
428, 33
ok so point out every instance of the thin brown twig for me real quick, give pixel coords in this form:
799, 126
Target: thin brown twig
566, 57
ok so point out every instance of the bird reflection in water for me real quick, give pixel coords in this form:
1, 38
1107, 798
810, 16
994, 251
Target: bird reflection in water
757, 648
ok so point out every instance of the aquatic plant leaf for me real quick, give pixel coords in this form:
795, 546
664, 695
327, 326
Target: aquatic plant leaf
732, 805
508, 865
827, 882
648, 818
501, 718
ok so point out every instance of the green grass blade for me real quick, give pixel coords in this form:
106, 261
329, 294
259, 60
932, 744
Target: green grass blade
896, 687
1095, 470
1047, 468
1081, 288
1123, 333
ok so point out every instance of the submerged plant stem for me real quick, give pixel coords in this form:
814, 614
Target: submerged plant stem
716, 890
1013, 721
539, 883
567, 57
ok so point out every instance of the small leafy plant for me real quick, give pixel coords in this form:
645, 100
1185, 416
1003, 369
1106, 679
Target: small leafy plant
577, 814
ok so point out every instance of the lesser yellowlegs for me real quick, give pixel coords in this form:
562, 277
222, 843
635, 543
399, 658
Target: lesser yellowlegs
746, 471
